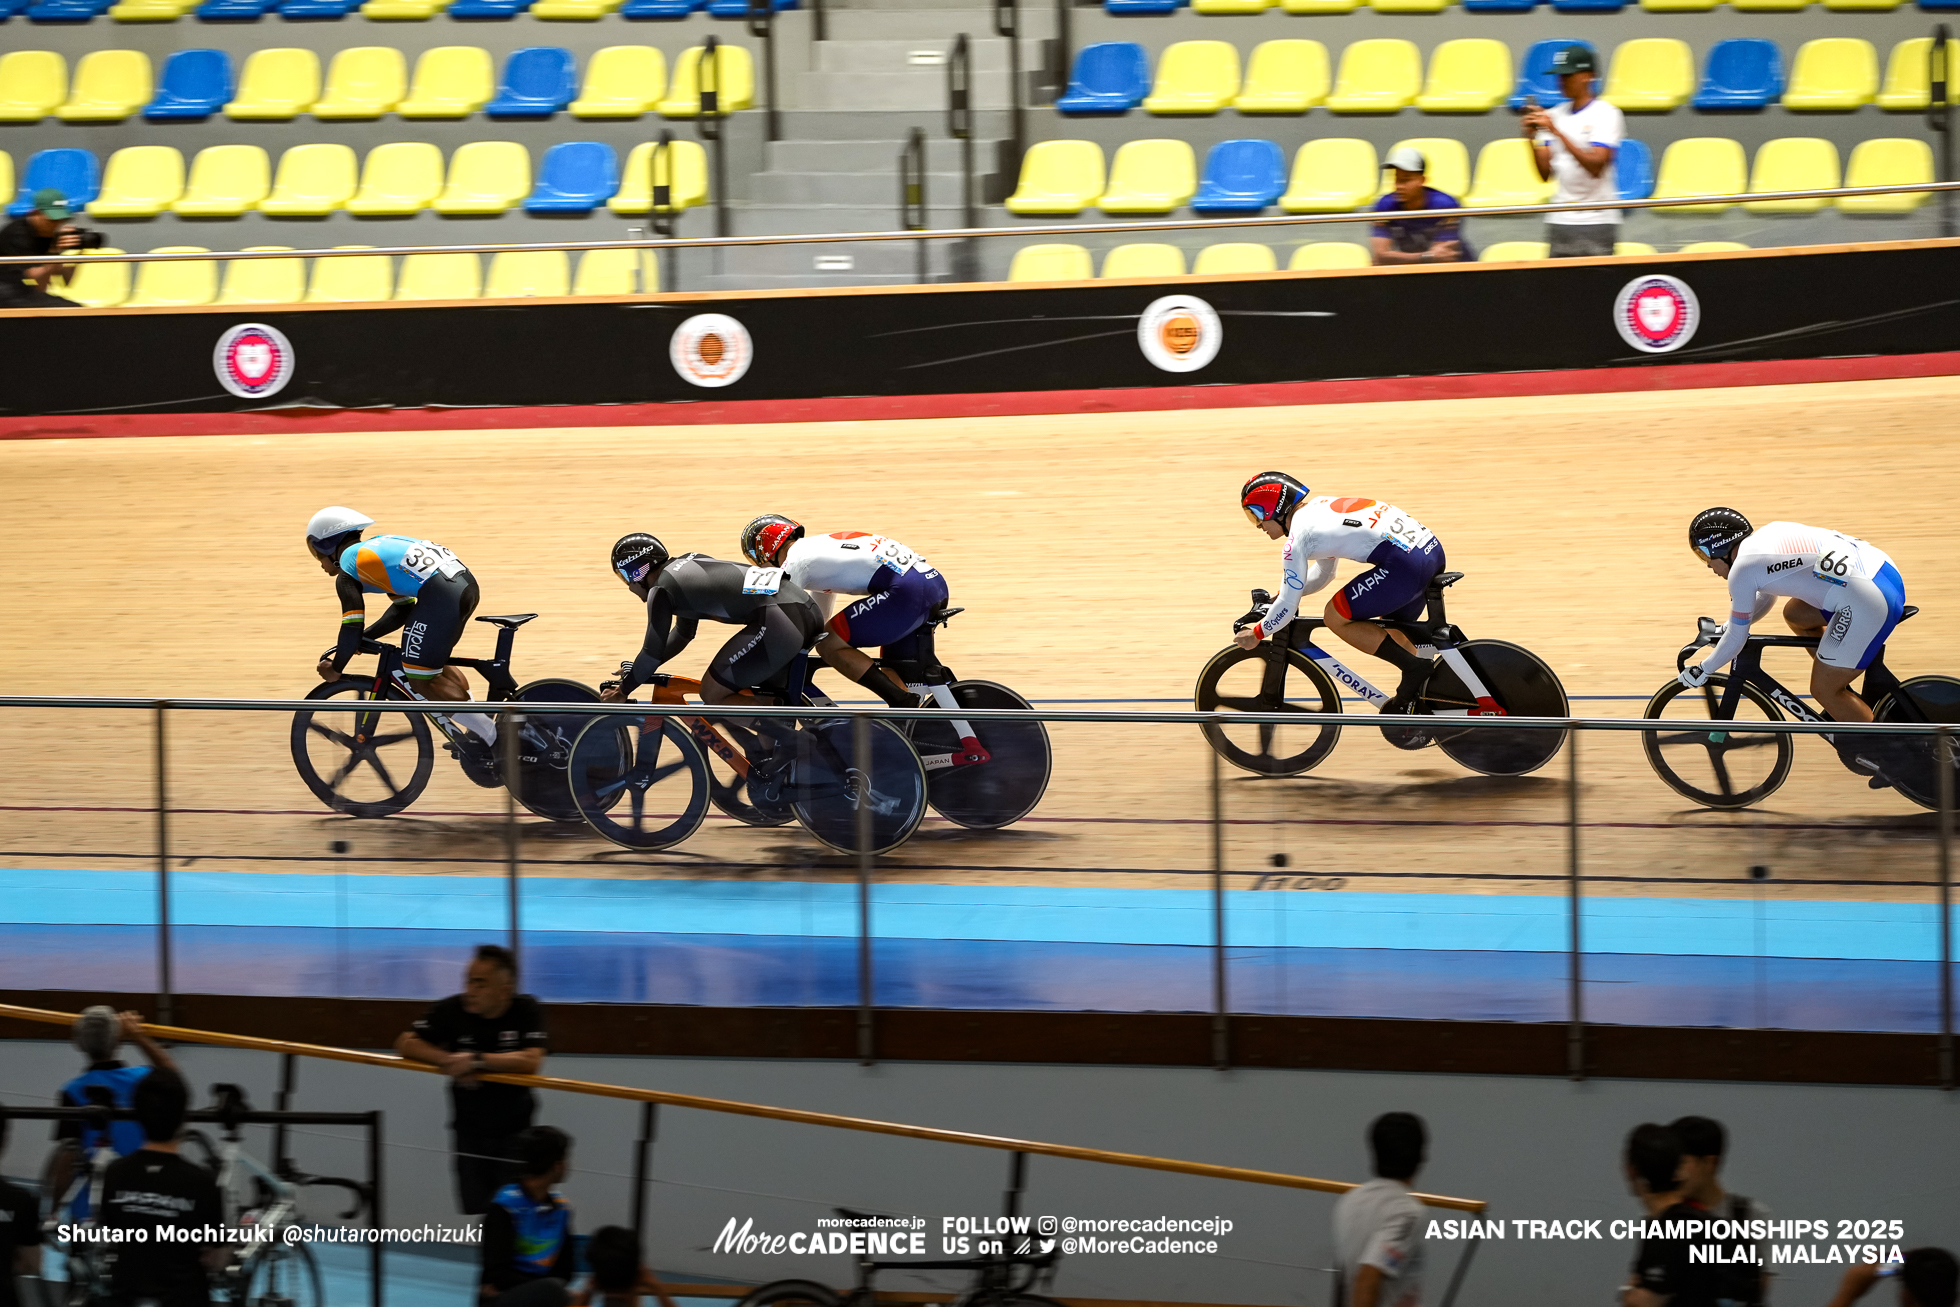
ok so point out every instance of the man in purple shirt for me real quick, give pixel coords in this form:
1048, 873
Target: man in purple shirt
1399, 235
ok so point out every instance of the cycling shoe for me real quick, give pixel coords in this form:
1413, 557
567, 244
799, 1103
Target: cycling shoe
768, 778
479, 761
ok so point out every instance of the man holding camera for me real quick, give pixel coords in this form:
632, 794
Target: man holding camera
1574, 145
44, 230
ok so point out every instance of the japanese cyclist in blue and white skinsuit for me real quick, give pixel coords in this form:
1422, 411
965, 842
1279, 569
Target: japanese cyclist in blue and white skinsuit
1404, 555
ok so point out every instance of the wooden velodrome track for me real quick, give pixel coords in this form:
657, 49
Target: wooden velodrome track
1099, 557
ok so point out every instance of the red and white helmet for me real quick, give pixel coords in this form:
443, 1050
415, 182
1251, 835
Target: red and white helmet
764, 539
1271, 497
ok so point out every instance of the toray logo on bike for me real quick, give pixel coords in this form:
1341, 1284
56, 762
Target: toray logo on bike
1656, 314
1785, 565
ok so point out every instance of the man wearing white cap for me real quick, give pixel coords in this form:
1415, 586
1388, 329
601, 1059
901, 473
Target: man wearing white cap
1399, 236
1574, 144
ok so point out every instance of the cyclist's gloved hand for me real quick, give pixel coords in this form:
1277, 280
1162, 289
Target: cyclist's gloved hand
1695, 675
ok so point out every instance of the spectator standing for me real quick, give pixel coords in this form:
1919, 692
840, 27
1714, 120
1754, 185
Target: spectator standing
619, 1277
489, 1027
527, 1233
1378, 1225
1574, 145
20, 1232
42, 230
107, 1082
153, 1188
1400, 237
1928, 1277
1703, 1145
1663, 1274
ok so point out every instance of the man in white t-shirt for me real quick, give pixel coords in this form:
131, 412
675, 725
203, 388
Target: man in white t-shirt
1574, 144
1378, 1227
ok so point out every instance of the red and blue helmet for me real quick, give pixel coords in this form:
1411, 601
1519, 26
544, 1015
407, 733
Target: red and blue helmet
1271, 497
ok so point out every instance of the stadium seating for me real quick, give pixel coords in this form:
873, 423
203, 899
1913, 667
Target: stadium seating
1713, 247
440, 277
6, 173
1908, 81
683, 169
1535, 77
1194, 77
276, 85
538, 82
1139, 8
1231, 258
1144, 259
109, 86
141, 181
1589, 6
493, 9
1743, 72
580, 11
1633, 250
1408, 6
1330, 254
528, 274
1241, 177
297, 9
98, 285
451, 81
1284, 77
398, 179
1507, 175
485, 177
264, 281
622, 81
733, 67
1320, 6
1700, 165
616, 272
1449, 163
195, 84
1650, 75
1378, 75
1332, 175
1502, 6
1058, 177
32, 83
658, 8
574, 177
150, 11
1769, 6
312, 181
175, 284
352, 281
1832, 73
1051, 263
413, 11
364, 82
1633, 169
73, 172
1109, 77
1515, 252
65, 11
225, 181
1793, 163
1467, 76
1889, 161
1150, 177
1230, 6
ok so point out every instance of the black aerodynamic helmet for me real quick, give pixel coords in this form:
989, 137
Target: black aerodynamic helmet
638, 556
1716, 532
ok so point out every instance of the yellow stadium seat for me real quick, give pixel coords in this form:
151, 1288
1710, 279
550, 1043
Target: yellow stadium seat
32, 83
264, 281
1861, 4
173, 285
531, 274
1833, 73
1320, 6
1144, 259
364, 82
1284, 77
1634, 249
1700, 165
6, 173
451, 81
1230, 6
413, 11
485, 177
1679, 6
683, 169
140, 181
1051, 263
622, 81
1908, 86
1794, 163
1195, 77
399, 178
586, 11
1233, 258
1330, 254
1332, 175
1713, 247
440, 277
97, 285
313, 180
1058, 177
109, 86
1449, 164
1887, 161
1381, 75
1507, 175
1470, 75
150, 11
1515, 252
735, 88
1150, 177
1409, 6
276, 85
1654, 74
225, 181
352, 281
616, 272
1770, 6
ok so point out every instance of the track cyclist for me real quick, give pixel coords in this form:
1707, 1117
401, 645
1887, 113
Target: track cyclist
422, 580
1404, 555
898, 590
1843, 592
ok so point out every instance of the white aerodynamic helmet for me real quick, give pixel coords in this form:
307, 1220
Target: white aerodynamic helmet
330, 524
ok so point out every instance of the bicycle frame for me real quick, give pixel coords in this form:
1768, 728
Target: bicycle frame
1748, 669
388, 674
1433, 637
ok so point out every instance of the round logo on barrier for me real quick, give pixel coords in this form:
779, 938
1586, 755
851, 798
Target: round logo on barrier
1180, 333
711, 349
1656, 314
253, 360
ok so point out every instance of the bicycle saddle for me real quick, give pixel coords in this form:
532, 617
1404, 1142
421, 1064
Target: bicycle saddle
1444, 580
1908, 611
510, 622
941, 615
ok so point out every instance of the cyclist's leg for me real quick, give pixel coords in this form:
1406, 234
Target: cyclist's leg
1857, 632
1395, 587
441, 609
1805, 619
884, 617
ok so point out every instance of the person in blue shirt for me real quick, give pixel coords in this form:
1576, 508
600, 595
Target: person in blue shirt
527, 1232
1400, 235
107, 1082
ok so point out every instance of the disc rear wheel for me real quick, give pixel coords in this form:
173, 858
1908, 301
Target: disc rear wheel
1912, 761
544, 747
827, 785
1001, 790
1523, 684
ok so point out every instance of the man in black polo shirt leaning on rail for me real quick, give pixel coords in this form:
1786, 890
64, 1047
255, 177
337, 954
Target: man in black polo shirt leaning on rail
488, 1027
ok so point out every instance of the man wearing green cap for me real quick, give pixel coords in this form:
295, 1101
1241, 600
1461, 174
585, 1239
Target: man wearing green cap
43, 230
1574, 144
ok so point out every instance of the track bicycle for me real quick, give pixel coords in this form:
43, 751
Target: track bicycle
1735, 768
1006, 1279
374, 764
1471, 678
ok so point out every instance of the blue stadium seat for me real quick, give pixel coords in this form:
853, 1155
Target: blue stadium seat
8, 8
1940, 5
1499, 6
575, 177
234, 11
1743, 72
1240, 177
1143, 6
488, 8
538, 82
195, 84
66, 11
1633, 166
740, 8
326, 9
73, 172
1109, 77
1589, 6
1535, 73
659, 8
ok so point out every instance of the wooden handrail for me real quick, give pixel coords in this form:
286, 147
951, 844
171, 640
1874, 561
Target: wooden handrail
795, 1114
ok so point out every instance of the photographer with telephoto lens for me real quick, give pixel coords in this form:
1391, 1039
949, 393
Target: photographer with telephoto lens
45, 229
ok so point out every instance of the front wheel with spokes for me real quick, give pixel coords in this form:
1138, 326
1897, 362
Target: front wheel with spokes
1710, 761
367, 763
1256, 680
